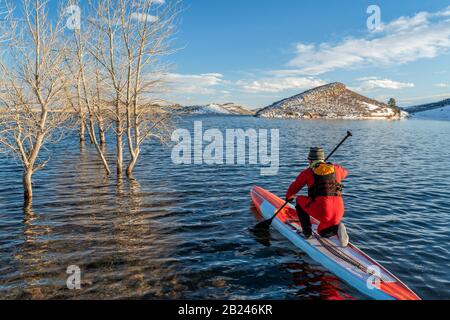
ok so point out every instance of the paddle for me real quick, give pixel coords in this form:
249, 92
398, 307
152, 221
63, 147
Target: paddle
265, 225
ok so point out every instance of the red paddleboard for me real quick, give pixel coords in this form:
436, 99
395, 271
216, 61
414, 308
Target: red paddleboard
348, 263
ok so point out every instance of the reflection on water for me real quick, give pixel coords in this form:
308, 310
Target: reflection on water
183, 231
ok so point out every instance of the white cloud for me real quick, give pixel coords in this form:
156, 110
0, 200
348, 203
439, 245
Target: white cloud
277, 84
442, 85
406, 39
193, 83
445, 12
405, 23
143, 17
370, 83
147, 17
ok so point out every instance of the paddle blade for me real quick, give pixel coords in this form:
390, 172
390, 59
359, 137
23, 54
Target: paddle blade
262, 236
264, 225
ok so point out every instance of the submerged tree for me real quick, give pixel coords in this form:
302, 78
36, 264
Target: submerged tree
104, 47
84, 91
88, 95
108, 72
146, 38
33, 112
133, 35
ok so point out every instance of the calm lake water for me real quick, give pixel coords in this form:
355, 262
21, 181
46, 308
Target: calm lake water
182, 231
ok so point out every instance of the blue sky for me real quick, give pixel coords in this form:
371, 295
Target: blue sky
255, 52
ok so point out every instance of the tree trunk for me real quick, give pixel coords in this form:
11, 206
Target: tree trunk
131, 165
27, 186
101, 132
103, 158
98, 147
82, 131
119, 149
91, 137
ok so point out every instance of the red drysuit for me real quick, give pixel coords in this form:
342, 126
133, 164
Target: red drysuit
328, 210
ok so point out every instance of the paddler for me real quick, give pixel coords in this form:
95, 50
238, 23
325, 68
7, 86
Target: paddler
324, 201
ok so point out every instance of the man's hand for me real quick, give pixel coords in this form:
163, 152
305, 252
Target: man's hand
290, 200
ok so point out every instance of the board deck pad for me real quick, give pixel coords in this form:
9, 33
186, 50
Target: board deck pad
348, 263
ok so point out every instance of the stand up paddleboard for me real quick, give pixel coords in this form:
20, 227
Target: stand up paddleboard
349, 264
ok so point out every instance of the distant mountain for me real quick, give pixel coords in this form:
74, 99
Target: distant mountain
212, 109
433, 111
428, 106
332, 101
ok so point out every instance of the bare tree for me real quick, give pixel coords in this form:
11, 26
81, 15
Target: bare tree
73, 97
88, 96
131, 36
146, 28
106, 51
33, 112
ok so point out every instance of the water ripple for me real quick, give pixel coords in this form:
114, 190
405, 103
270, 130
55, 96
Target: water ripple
181, 231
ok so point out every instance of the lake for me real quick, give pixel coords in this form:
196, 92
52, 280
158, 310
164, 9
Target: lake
181, 231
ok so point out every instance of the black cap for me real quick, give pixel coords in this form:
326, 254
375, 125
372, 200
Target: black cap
316, 154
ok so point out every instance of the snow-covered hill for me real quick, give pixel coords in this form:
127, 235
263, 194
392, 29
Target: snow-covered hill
213, 108
332, 101
434, 114
433, 111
